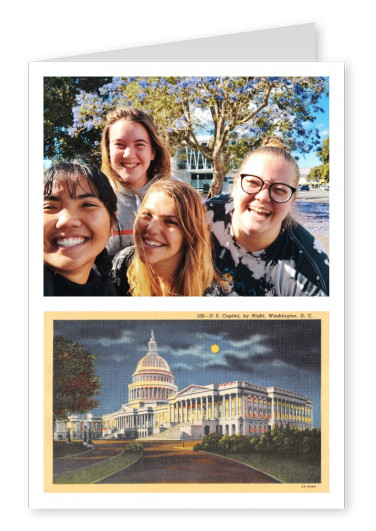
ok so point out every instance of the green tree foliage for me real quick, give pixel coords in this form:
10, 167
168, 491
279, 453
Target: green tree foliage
74, 379
323, 153
321, 172
315, 174
59, 98
236, 112
302, 445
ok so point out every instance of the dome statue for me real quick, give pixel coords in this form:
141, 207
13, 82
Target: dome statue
152, 380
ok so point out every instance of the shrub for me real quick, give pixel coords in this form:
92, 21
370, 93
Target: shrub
210, 442
133, 448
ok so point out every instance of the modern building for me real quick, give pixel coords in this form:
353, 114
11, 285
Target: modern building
189, 165
156, 408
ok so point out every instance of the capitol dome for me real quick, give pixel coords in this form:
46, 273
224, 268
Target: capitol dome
152, 379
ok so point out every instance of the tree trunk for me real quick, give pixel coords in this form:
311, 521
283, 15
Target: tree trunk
220, 167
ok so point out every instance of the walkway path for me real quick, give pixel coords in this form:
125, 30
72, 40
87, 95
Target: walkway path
171, 462
102, 450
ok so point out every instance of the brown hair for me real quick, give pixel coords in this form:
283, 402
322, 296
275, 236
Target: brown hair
196, 272
159, 167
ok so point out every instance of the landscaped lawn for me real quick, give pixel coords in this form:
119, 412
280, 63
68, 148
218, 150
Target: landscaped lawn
98, 471
63, 449
285, 469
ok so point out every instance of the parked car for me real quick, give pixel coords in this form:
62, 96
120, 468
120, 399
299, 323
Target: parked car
304, 188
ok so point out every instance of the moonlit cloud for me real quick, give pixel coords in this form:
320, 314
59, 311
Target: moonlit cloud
285, 354
125, 337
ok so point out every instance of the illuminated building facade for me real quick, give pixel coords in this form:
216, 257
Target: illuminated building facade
156, 408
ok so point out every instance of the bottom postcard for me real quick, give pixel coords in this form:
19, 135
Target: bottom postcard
186, 402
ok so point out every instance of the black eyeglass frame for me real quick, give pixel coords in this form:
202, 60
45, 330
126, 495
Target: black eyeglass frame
242, 175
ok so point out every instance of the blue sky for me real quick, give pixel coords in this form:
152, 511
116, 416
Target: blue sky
284, 353
311, 160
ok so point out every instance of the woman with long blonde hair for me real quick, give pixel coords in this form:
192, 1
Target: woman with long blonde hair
172, 255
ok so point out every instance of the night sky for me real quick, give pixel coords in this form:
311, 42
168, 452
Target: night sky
278, 353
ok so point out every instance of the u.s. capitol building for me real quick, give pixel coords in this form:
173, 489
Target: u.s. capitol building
156, 408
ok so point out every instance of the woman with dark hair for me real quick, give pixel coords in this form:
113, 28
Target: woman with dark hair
260, 249
172, 255
79, 214
133, 157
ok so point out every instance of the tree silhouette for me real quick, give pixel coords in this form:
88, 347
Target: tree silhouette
74, 379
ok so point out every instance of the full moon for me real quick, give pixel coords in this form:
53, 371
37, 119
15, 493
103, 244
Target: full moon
214, 348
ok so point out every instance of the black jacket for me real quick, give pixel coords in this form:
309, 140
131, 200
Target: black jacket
59, 286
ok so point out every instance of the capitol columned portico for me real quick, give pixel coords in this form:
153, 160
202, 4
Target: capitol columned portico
156, 408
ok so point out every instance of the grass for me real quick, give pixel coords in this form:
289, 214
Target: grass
63, 449
98, 471
283, 468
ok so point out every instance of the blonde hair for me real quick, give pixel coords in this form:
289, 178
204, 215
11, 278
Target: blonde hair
159, 168
275, 147
196, 272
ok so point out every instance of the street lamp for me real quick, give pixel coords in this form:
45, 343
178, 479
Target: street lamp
89, 442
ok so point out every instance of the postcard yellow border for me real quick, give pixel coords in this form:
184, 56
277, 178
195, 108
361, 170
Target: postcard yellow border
49, 487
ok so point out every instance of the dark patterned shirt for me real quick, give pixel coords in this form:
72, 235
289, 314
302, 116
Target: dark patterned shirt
295, 264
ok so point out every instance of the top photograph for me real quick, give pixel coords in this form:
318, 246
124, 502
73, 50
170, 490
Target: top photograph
186, 186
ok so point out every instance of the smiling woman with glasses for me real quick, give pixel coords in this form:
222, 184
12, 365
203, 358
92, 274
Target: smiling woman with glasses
278, 192
260, 249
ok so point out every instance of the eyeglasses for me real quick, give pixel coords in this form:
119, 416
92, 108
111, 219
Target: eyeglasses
278, 192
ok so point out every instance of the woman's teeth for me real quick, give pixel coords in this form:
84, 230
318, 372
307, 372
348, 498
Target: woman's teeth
153, 244
260, 211
69, 242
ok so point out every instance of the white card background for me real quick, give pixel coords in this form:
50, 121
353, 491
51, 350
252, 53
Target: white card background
332, 304
40, 30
